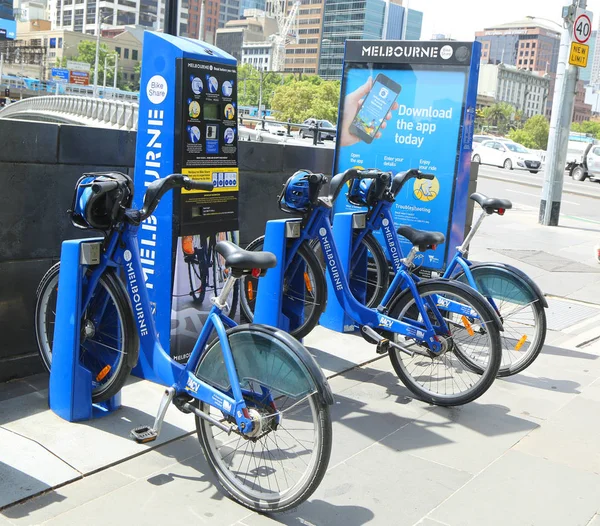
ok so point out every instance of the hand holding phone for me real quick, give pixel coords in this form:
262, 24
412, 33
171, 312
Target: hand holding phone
367, 110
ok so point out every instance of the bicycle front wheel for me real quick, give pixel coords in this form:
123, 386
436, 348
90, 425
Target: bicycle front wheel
305, 292
448, 378
108, 335
282, 461
521, 312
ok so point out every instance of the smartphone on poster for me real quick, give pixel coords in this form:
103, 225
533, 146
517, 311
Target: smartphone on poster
375, 107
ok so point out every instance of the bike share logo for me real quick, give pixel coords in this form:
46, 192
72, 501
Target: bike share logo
192, 385
389, 237
127, 255
138, 309
329, 260
385, 322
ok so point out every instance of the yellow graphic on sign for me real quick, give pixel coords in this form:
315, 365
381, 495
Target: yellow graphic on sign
425, 189
579, 54
223, 179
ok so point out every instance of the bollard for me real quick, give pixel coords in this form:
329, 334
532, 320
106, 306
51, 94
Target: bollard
263, 121
289, 127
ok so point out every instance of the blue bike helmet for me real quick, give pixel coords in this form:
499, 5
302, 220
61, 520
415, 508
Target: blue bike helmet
361, 191
296, 193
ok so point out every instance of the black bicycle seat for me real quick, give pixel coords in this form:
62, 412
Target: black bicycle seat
239, 259
422, 239
491, 204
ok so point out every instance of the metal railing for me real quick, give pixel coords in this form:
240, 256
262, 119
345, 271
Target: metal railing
263, 124
102, 113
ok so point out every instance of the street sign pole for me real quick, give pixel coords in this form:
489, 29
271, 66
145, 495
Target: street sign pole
560, 122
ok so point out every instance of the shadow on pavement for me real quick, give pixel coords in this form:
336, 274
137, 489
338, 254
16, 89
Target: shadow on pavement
320, 513
569, 353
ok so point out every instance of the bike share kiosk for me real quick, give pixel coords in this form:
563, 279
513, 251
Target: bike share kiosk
417, 111
187, 124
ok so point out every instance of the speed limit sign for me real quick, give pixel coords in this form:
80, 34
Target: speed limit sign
582, 29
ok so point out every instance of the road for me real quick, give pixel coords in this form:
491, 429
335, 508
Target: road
580, 200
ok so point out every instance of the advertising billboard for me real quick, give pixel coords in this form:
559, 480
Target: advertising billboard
411, 105
8, 26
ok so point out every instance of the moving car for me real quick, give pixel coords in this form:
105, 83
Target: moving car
275, 129
508, 155
480, 138
326, 129
583, 160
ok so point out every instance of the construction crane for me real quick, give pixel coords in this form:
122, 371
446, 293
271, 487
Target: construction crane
287, 33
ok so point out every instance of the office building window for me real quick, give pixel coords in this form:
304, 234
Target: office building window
126, 51
134, 54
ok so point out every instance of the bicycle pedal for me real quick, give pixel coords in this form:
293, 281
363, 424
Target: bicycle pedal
383, 347
144, 434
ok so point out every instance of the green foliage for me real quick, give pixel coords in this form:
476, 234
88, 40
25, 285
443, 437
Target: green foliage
534, 133
312, 97
87, 53
499, 116
249, 83
590, 127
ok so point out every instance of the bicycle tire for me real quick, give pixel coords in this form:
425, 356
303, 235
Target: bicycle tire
258, 344
481, 382
379, 267
198, 293
315, 277
118, 300
502, 289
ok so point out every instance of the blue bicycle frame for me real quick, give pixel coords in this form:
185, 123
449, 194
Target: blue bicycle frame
318, 226
121, 250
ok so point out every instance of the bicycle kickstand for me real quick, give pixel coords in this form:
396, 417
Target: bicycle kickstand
145, 434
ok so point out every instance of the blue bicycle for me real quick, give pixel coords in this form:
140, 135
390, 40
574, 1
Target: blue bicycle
433, 330
260, 400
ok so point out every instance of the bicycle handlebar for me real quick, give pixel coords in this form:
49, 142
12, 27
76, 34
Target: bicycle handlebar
402, 177
338, 180
156, 189
102, 187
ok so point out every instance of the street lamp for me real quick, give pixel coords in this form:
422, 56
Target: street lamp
99, 20
116, 55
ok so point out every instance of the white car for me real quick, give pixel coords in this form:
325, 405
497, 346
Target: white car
506, 154
276, 129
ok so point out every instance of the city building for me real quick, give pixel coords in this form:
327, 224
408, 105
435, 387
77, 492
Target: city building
530, 43
259, 55
582, 109
525, 90
8, 27
585, 74
211, 19
86, 16
595, 58
255, 28
302, 56
59, 44
361, 19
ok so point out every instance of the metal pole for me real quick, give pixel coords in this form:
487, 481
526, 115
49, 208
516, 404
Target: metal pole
560, 124
1, 67
202, 33
104, 81
171, 9
116, 70
98, 26
260, 80
405, 20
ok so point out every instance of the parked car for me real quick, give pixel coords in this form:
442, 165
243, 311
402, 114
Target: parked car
480, 138
276, 129
508, 155
326, 129
583, 160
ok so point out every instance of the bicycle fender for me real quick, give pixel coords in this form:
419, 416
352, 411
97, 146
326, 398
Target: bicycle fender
320, 381
536, 292
493, 315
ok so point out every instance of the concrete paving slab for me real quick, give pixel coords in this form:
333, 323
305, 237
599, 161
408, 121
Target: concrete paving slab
27, 468
66, 498
430, 522
565, 437
449, 436
370, 488
522, 490
108, 437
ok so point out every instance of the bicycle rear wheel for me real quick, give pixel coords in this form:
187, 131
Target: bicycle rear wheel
307, 294
282, 461
445, 379
108, 335
521, 312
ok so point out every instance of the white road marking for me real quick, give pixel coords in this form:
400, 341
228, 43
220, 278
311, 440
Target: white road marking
537, 196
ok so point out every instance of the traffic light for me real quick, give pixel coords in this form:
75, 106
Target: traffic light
7, 92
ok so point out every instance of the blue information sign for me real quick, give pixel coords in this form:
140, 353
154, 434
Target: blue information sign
411, 105
60, 75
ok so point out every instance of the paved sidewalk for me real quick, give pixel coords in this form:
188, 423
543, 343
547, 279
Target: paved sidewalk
525, 453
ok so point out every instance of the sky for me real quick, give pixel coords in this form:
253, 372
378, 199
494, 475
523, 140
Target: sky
461, 18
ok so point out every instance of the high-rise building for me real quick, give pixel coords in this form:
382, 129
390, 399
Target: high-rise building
212, 9
236, 33
85, 16
365, 20
585, 74
303, 56
530, 43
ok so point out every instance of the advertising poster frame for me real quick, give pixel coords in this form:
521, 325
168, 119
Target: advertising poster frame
412, 105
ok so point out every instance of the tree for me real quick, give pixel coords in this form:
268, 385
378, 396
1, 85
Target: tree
499, 116
534, 133
87, 53
299, 100
593, 128
249, 83
522, 137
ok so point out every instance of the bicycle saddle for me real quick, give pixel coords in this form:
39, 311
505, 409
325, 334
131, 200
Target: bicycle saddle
245, 260
422, 239
491, 204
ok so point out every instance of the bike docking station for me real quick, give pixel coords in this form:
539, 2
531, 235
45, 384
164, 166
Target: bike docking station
187, 124
418, 112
